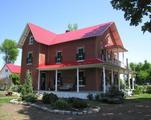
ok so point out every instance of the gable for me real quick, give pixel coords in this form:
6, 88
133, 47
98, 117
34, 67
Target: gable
46, 37
5, 72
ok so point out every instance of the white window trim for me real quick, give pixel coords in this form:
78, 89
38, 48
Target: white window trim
30, 52
31, 40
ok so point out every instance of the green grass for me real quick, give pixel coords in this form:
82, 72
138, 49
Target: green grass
141, 97
5, 99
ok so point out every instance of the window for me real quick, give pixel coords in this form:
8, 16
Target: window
82, 80
59, 80
31, 40
80, 54
29, 58
6, 70
58, 57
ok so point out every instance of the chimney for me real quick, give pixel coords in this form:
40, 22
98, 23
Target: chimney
67, 31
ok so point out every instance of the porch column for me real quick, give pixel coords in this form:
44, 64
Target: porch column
38, 80
104, 81
77, 79
133, 80
123, 57
112, 77
119, 84
117, 54
56, 78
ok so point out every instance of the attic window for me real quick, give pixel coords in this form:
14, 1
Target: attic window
31, 40
6, 70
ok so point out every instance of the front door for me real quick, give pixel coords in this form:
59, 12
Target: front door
42, 81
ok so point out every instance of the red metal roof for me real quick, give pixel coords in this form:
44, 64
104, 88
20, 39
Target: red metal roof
48, 38
14, 68
41, 35
70, 64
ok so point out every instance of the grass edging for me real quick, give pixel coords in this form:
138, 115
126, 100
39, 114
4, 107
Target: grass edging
88, 111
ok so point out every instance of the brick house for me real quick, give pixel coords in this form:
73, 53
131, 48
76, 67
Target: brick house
80, 61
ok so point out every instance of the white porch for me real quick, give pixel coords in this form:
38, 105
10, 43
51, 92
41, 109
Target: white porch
69, 94
83, 94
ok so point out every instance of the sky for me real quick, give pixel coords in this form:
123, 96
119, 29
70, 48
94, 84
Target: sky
55, 15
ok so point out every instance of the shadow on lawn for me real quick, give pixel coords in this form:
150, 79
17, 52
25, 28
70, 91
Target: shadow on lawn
36, 114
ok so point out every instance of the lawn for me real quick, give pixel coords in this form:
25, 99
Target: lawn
5, 99
136, 107
140, 97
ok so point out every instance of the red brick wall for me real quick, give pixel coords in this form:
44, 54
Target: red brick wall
69, 50
38, 51
93, 78
43, 54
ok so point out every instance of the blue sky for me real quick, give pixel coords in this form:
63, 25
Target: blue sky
55, 15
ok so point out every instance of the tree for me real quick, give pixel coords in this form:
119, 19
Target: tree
72, 27
135, 11
143, 72
15, 78
10, 50
27, 86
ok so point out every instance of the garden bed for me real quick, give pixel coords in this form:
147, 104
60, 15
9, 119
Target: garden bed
49, 108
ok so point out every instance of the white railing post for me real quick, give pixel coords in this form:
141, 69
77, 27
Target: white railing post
56, 79
77, 79
38, 80
112, 77
119, 84
104, 81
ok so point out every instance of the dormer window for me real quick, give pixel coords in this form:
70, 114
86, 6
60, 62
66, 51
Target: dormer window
59, 57
80, 54
31, 40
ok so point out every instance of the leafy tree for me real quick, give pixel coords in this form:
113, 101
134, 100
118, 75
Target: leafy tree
15, 78
72, 27
143, 72
10, 50
135, 11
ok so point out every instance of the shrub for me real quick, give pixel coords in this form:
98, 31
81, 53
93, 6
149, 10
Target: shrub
138, 89
90, 97
27, 87
15, 78
148, 89
113, 96
97, 97
61, 104
29, 98
77, 103
27, 93
49, 98
16, 88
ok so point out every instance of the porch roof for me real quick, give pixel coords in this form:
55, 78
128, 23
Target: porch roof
68, 65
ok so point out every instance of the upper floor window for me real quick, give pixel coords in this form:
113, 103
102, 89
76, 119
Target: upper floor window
31, 40
6, 70
59, 57
29, 58
80, 54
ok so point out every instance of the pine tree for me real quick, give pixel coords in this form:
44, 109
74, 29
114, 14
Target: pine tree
27, 86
